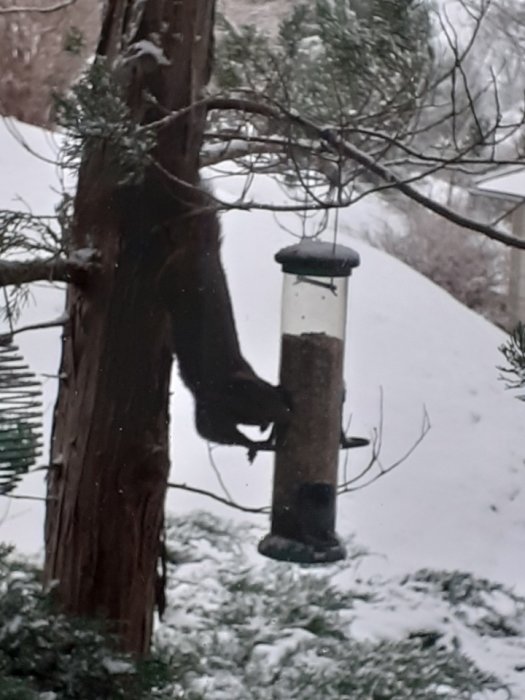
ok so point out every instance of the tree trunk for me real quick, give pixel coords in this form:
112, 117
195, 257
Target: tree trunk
110, 435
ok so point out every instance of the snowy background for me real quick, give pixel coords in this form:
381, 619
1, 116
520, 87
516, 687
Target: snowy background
457, 503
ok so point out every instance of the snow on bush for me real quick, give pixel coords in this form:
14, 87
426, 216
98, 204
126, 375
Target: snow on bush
47, 656
238, 626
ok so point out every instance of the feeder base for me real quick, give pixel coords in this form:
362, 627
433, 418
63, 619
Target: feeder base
284, 549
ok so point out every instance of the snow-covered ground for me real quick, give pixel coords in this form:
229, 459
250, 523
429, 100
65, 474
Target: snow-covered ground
247, 628
458, 502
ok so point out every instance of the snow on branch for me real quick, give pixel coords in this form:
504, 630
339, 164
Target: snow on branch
73, 269
238, 148
416, 195
332, 139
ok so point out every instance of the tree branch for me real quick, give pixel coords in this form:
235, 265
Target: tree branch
26, 498
412, 193
339, 145
237, 148
6, 338
74, 269
356, 482
202, 492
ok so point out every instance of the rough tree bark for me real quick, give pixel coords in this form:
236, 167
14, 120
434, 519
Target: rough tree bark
110, 434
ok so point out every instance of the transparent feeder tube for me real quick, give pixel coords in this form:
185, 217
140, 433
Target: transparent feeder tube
313, 320
306, 466
314, 305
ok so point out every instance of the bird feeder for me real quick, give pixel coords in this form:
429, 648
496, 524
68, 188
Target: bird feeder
313, 325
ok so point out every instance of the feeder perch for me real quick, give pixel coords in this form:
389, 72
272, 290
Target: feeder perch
20, 416
313, 325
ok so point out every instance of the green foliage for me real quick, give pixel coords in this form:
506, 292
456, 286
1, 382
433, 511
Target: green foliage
458, 586
252, 629
25, 232
335, 60
19, 449
74, 41
48, 656
243, 627
96, 115
462, 589
20, 416
514, 353
15, 689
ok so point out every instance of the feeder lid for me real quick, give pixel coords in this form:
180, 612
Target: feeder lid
318, 258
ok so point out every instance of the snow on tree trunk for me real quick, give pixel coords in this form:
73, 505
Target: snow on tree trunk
110, 435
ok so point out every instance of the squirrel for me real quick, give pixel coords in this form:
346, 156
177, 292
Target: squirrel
227, 391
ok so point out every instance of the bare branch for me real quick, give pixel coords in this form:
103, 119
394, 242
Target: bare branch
339, 145
348, 485
73, 269
202, 492
464, 53
419, 157
26, 498
237, 148
55, 323
217, 472
38, 269
356, 483
414, 194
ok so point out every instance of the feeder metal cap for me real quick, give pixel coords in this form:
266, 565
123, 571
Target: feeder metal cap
318, 258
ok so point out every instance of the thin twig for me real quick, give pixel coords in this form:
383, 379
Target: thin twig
227, 502
339, 145
55, 323
217, 472
383, 471
27, 498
